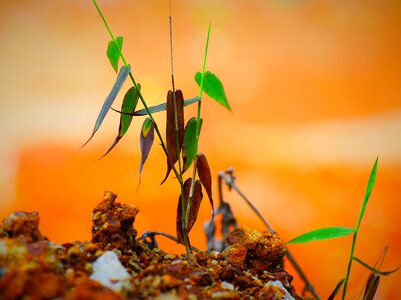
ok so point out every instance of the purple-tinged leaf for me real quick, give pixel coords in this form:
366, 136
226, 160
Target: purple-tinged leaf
336, 290
175, 108
205, 176
129, 104
113, 53
121, 77
146, 141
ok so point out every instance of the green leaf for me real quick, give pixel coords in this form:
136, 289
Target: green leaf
213, 87
129, 104
376, 271
322, 234
113, 53
121, 77
188, 149
369, 189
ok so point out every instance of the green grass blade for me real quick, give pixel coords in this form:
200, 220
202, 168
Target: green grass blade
371, 183
113, 53
121, 77
213, 87
156, 108
204, 63
322, 234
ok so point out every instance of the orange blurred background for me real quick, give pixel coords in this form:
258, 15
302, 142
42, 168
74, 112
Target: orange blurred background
315, 88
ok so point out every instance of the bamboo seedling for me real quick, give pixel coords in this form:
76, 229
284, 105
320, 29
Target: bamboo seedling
180, 145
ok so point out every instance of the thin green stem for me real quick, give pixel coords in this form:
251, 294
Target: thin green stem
369, 188
139, 93
349, 264
191, 191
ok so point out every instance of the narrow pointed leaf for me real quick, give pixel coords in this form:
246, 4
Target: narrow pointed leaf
179, 230
336, 290
322, 234
188, 148
371, 287
369, 189
213, 87
129, 104
121, 77
156, 108
116, 140
113, 53
376, 271
146, 141
171, 140
205, 176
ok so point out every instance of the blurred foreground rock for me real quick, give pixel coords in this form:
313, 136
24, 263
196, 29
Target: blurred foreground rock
114, 265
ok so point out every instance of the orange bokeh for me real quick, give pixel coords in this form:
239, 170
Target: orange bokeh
315, 91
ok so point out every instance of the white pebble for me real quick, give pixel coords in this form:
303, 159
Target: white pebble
108, 270
227, 285
277, 283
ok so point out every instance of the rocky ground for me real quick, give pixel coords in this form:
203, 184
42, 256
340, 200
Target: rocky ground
115, 265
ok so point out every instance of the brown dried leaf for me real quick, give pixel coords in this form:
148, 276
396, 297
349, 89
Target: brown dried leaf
193, 210
195, 204
171, 141
371, 286
205, 176
336, 290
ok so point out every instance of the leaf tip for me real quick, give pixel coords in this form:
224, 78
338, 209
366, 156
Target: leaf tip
93, 133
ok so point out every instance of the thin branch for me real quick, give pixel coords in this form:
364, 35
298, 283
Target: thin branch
230, 181
229, 178
169, 236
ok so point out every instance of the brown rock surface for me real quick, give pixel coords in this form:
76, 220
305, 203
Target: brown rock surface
35, 268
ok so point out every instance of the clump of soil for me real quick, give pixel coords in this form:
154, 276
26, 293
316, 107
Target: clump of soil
115, 265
